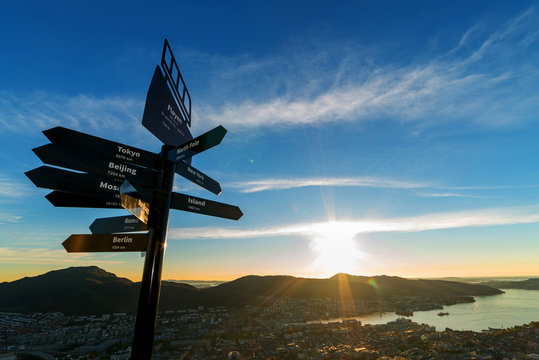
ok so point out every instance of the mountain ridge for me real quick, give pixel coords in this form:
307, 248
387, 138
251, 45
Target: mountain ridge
92, 290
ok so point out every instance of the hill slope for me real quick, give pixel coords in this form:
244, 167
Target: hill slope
91, 290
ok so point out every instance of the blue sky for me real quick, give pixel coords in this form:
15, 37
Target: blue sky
365, 137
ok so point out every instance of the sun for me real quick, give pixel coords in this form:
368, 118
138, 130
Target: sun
335, 248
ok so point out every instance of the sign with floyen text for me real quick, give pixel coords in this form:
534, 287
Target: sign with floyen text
162, 117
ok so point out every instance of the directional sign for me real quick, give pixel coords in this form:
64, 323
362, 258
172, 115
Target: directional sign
132, 201
87, 143
94, 163
57, 179
105, 242
161, 114
198, 144
203, 206
64, 199
198, 177
117, 224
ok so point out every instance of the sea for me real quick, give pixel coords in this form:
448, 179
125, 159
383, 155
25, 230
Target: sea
514, 307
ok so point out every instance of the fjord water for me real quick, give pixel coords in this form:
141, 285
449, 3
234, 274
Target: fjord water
515, 307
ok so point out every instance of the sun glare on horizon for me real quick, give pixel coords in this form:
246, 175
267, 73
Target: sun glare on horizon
335, 248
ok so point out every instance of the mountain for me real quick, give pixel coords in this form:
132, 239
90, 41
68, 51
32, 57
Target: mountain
75, 290
91, 290
357, 287
530, 284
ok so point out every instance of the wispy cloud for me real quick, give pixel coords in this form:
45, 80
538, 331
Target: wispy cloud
280, 184
435, 221
10, 188
24, 112
482, 79
436, 190
446, 195
11, 255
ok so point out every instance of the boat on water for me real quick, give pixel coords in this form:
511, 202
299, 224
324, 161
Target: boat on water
443, 313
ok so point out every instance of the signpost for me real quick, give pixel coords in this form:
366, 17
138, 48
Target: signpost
206, 207
95, 163
117, 224
105, 242
115, 175
198, 144
63, 199
198, 177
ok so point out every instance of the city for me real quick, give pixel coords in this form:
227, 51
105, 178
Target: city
277, 329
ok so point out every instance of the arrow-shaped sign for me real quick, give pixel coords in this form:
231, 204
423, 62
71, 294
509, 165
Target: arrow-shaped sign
203, 206
88, 143
117, 224
198, 144
95, 163
198, 177
57, 179
105, 242
132, 201
64, 199
162, 116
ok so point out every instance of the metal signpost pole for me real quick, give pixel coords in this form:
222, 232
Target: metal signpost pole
151, 278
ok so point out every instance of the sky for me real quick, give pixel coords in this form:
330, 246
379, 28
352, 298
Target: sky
364, 137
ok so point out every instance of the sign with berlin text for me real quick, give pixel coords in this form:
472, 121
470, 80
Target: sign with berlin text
198, 177
203, 206
197, 145
117, 224
87, 143
162, 117
95, 163
105, 242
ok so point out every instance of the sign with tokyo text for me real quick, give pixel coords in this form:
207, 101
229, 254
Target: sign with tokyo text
87, 143
105, 242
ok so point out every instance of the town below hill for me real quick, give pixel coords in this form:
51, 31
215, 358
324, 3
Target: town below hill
92, 290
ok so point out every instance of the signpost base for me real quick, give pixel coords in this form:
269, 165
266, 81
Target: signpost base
150, 286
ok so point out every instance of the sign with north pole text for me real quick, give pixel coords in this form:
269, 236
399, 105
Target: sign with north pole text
197, 145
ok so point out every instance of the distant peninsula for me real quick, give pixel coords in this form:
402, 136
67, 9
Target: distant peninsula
530, 284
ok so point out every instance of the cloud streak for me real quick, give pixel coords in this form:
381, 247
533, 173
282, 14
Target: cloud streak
11, 255
23, 113
436, 221
483, 78
282, 184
